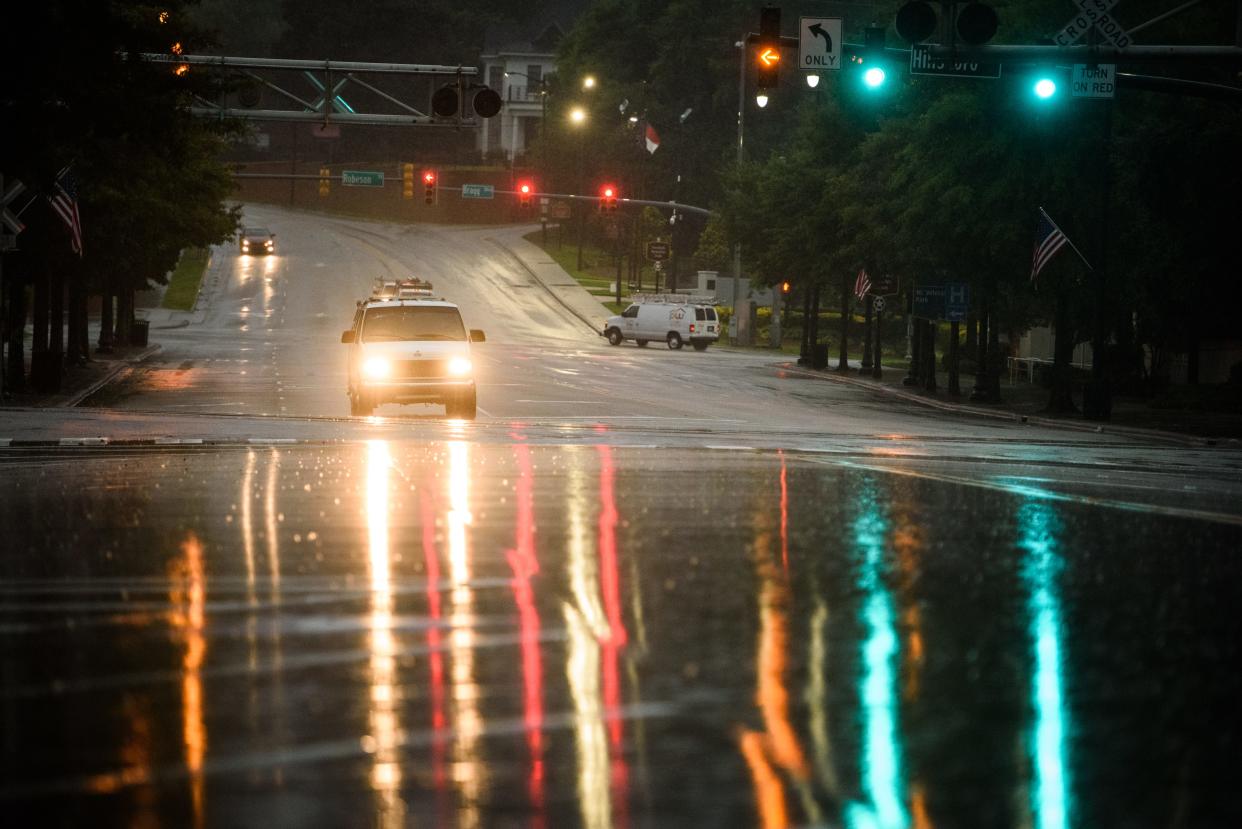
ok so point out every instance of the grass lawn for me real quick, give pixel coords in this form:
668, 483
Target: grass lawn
186, 278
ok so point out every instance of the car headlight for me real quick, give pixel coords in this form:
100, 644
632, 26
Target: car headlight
376, 367
459, 366
245, 246
268, 244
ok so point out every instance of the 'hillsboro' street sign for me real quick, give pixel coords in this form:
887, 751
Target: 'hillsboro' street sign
478, 191
362, 178
819, 43
922, 63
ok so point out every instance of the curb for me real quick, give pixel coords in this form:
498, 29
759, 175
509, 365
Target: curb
515, 257
121, 365
1037, 420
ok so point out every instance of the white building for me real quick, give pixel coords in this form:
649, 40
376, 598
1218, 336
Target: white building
518, 70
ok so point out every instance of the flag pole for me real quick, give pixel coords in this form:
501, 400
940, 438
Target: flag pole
1073, 247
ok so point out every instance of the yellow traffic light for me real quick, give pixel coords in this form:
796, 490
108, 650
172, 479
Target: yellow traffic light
325, 182
407, 181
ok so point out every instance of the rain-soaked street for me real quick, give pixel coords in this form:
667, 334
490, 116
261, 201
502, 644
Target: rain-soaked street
433, 633
645, 587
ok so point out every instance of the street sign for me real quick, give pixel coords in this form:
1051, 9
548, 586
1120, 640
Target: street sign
878, 304
950, 302
561, 210
819, 43
1093, 13
956, 301
326, 131
657, 251
929, 302
478, 191
922, 63
1099, 81
362, 178
886, 285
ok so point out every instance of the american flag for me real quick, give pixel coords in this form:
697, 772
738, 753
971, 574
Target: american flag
862, 285
64, 201
1048, 240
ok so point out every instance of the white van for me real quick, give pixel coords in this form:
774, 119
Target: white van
675, 319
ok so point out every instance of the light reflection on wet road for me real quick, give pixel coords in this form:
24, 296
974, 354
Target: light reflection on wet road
479, 634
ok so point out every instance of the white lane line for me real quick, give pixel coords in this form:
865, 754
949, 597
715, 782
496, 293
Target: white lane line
570, 402
266, 441
483, 411
84, 441
177, 441
731, 446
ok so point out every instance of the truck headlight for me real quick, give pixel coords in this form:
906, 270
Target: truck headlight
376, 368
459, 366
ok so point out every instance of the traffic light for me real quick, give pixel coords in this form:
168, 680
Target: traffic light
875, 70
786, 287
1044, 86
407, 181
325, 181
608, 199
526, 192
768, 53
429, 186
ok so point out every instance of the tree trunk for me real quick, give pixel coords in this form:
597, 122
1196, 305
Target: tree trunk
972, 323
994, 355
15, 371
981, 391
843, 356
866, 355
955, 387
877, 365
124, 316
1061, 397
929, 356
106, 322
40, 379
804, 354
1192, 356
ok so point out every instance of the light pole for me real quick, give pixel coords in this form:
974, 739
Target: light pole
741, 121
578, 117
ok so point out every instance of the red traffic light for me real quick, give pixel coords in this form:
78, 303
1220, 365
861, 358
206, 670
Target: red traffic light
608, 192
524, 188
429, 177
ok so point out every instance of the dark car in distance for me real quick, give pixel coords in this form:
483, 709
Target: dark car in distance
257, 240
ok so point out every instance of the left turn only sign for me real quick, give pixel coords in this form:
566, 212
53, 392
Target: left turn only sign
819, 43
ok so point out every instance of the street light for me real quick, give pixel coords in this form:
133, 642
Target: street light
761, 99
812, 80
588, 82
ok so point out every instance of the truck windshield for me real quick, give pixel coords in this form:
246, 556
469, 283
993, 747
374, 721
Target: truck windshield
412, 323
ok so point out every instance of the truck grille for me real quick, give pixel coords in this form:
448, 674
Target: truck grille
412, 369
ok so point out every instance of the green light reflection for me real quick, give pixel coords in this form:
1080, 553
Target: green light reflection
1050, 798
881, 761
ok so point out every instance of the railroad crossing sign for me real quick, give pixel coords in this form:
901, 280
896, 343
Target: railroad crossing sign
819, 43
11, 225
1093, 14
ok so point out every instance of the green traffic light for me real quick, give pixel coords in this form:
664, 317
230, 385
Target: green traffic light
1045, 88
874, 77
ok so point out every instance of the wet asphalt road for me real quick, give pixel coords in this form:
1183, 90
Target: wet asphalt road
645, 589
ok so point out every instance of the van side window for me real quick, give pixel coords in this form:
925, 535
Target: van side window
631, 312
700, 314
711, 313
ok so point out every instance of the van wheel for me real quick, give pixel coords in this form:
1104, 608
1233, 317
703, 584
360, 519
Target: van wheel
641, 343
614, 336
700, 346
674, 340
462, 407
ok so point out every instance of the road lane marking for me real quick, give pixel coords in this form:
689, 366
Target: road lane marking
99, 441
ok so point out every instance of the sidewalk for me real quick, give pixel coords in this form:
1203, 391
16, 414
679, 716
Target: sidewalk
1026, 402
